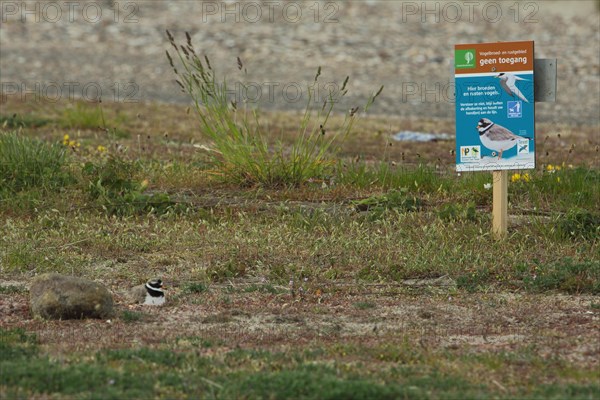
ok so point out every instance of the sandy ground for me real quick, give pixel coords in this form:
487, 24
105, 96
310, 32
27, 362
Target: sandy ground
556, 325
121, 55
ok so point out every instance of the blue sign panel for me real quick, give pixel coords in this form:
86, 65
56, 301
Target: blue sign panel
495, 110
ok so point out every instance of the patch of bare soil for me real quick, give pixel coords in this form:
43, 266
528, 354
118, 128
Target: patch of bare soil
555, 325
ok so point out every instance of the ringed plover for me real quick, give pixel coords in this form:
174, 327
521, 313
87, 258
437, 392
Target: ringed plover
150, 293
496, 137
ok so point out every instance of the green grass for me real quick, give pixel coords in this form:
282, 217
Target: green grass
579, 222
112, 184
278, 202
365, 305
420, 178
132, 316
27, 163
17, 121
342, 244
195, 287
395, 199
566, 188
563, 275
351, 236
12, 289
81, 115
319, 382
167, 372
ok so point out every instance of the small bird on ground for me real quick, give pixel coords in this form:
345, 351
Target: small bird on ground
150, 293
496, 137
509, 84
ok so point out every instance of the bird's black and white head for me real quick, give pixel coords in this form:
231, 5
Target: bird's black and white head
484, 125
501, 75
155, 294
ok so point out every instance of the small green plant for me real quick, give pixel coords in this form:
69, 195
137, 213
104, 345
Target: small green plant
112, 183
27, 163
241, 150
565, 275
398, 200
474, 281
310, 219
16, 344
264, 288
132, 316
221, 272
195, 287
579, 223
12, 289
457, 212
364, 305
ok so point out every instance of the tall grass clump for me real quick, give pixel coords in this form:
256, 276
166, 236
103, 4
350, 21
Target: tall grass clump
27, 163
241, 151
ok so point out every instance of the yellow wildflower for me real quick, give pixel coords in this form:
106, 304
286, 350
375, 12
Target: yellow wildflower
101, 149
526, 177
516, 177
144, 184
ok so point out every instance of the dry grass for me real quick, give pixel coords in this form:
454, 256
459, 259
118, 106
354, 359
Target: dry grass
516, 318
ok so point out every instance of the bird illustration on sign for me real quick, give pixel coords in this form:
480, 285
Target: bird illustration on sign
496, 137
509, 84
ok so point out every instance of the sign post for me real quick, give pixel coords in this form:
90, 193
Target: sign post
500, 204
495, 115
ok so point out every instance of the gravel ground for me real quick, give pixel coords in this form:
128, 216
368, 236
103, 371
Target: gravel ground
375, 42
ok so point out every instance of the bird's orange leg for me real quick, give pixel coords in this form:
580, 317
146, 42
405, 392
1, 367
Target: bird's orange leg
500, 154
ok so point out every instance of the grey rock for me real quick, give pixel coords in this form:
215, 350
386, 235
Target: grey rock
56, 296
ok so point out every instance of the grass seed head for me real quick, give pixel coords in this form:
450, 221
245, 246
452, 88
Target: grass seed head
345, 83
170, 59
187, 54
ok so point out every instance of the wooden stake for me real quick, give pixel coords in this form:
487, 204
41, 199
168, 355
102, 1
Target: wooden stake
500, 204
